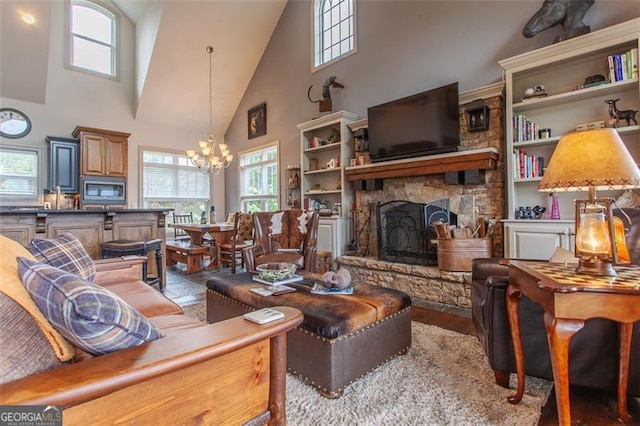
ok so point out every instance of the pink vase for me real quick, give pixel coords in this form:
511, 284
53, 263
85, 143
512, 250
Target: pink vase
555, 208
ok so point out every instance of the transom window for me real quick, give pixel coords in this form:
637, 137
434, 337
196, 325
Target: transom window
334, 30
258, 171
92, 38
170, 180
19, 174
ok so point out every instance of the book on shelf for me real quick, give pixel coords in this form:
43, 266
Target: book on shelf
527, 166
524, 129
623, 66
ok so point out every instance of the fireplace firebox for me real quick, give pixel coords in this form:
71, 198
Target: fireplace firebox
405, 230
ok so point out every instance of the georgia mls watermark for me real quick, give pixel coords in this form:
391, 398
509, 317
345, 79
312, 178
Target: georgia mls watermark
30, 415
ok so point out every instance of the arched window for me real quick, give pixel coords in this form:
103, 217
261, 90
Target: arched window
92, 31
334, 30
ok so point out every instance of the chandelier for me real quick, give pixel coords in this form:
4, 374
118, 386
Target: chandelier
207, 159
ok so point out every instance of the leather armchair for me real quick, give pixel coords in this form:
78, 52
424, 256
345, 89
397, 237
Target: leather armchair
593, 351
284, 236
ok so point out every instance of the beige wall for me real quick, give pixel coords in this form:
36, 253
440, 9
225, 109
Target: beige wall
404, 47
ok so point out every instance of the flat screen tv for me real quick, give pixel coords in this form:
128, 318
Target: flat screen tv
422, 124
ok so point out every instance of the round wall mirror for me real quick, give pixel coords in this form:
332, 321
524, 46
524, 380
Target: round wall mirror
14, 124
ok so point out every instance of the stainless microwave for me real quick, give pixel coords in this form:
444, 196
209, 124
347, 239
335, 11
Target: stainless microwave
103, 190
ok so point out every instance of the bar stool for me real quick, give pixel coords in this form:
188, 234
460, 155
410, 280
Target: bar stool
117, 248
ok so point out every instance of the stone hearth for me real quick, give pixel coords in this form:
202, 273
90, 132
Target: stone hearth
423, 282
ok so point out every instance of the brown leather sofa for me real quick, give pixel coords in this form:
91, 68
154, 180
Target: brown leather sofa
593, 351
284, 236
231, 372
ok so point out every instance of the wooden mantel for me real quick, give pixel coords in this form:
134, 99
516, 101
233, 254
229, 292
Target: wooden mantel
476, 159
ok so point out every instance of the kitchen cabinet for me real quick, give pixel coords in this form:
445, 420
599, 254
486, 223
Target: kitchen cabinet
63, 164
102, 152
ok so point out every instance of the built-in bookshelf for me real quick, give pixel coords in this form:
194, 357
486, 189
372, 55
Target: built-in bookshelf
552, 91
326, 149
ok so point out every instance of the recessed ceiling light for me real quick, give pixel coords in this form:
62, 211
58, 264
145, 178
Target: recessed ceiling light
28, 18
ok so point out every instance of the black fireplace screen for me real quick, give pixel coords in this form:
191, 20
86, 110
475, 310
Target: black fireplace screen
405, 230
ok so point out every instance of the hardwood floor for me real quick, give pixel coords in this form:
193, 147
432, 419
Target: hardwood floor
588, 407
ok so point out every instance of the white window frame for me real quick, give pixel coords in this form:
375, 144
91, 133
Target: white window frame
28, 200
318, 31
184, 165
115, 46
243, 199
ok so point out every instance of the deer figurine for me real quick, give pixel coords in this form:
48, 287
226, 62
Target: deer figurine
629, 115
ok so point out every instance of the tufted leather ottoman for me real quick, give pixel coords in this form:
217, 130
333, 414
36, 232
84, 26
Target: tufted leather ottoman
341, 338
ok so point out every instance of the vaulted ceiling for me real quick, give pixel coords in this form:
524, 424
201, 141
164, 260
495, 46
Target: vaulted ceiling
172, 65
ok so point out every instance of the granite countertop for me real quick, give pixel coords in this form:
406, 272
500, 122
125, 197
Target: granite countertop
29, 210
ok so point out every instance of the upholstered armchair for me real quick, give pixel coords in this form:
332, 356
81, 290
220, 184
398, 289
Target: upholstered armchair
284, 236
593, 351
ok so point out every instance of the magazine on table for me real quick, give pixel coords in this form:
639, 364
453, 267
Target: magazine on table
293, 279
320, 289
273, 290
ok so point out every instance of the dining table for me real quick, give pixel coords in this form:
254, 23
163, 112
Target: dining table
220, 231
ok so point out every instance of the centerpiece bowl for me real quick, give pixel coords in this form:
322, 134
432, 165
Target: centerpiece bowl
276, 271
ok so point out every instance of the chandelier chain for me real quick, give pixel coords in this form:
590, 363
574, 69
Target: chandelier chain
207, 159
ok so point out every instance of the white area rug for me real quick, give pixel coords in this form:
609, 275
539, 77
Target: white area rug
444, 379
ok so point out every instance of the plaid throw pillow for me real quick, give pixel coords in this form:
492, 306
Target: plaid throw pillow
89, 316
65, 252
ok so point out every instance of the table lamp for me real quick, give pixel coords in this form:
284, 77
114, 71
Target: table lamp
592, 160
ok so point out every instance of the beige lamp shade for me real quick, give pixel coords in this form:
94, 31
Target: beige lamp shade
590, 159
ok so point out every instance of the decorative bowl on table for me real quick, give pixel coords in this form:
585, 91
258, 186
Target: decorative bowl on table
276, 271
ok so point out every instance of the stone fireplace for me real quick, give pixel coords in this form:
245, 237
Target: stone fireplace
471, 193
405, 230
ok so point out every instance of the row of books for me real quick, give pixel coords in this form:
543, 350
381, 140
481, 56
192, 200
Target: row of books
527, 166
524, 129
623, 66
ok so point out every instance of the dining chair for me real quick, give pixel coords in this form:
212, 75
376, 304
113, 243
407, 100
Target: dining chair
230, 253
181, 234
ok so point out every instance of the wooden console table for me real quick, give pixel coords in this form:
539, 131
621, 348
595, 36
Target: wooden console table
568, 300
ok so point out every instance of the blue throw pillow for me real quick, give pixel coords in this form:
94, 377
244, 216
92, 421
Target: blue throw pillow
89, 316
66, 252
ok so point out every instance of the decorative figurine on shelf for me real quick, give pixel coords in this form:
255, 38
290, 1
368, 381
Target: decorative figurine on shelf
325, 102
536, 91
334, 137
629, 114
538, 211
568, 13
